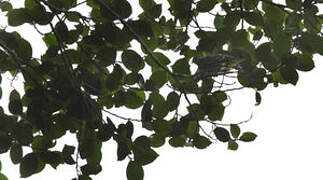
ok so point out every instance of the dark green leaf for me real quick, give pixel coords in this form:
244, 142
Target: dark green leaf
134, 171
217, 112
15, 107
5, 143
294, 4
159, 78
156, 140
16, 153
162, 127
173, 101
17, 17
254, 18
161, 58
235, 130
90, 169
23, 133
122, 150
134, 98
289, 74
282, 44
132, 60
181, 66
62, 31
205, 5
28, 165
160, 106
232, 145
218, 21
201, 142
177, 141
5, 6
222, 134
192, 128
146, 4
248, 137
304, 62
53, 158
14, 95
105, 132
258, 98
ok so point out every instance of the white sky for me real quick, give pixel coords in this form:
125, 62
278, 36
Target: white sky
289, 144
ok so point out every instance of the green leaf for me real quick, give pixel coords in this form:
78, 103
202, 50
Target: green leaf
235, 130
132, 60
156, 140
201, 142
248, 137
134, 171
294, 4
14, 95
254, 18
122, 150
53, 158
282, 44
154, 12
5, 143
304, 62
264, 55
17, 17
177, 141
141, 27
161, 58
218, 21
28, 165
160, 106
181, 66
273, 13
90, 169
146, 4
289, 74
62, 31
23, 133
217, 112
16, 153
232, 145
222, 134
173, 100
159, 78
5, 6
192, 128
134, 98
15, 107
205, 5
162, 127
219, 96
105, 132
258, 98
3, 177
24, 49
144, 156
122, 7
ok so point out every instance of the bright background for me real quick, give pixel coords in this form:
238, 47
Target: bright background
289, 144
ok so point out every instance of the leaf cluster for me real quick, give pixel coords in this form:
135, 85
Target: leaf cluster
91, 68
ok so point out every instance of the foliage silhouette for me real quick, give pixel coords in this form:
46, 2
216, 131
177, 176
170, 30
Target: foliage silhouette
81, 77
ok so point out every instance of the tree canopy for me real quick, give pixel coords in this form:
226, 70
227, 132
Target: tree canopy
91, 67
